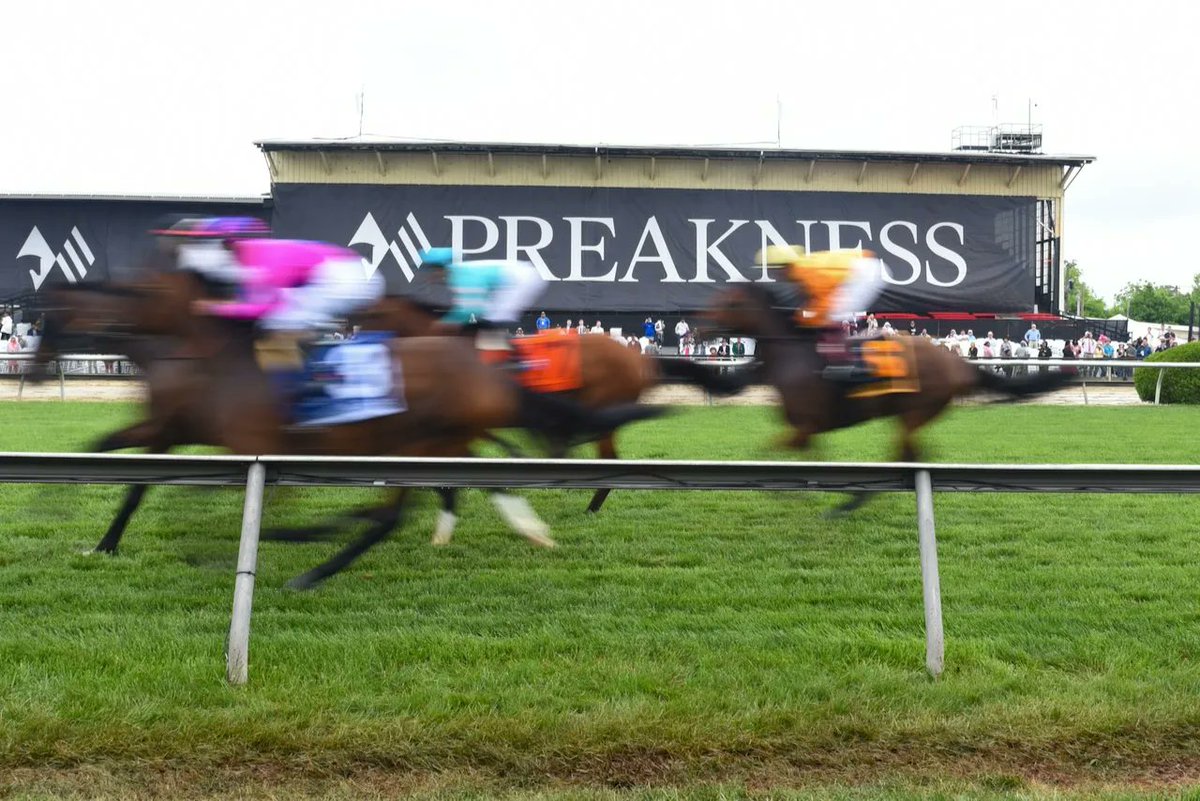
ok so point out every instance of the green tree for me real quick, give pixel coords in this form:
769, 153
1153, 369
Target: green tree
1093, 304
1155, 303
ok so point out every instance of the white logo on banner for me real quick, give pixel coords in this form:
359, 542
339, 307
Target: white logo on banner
73, 259
412, 240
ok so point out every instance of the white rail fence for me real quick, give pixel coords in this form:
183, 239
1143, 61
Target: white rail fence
1094, 370
254, 473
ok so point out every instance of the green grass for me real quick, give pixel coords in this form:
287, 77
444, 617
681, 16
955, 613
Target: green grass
723, 643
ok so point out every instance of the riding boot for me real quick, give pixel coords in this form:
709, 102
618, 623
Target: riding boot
279, 355
842, 363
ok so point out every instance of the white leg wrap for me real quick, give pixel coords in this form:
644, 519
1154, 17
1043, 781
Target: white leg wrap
445, 527
522, 519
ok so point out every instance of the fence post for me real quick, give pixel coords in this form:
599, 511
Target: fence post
935, 649
237, 652
62, 383
1158, 385
1085, 397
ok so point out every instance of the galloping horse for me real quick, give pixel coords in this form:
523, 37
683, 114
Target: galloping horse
218, 395
813, 405
611, 373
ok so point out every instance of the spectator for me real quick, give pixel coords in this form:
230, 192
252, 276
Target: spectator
1087, 350
543, 323
925, 333
1006, 352
1021, 352
15, 345
872, 325
597, 328
1033, 335
648, 329
681, 330
739, 348
972, 351
581, 328
6, 325
887, 328
520, 332
987, 351
570, 325
660, 329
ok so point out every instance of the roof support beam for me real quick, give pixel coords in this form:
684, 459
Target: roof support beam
599, 167
704, 172
491, 164
912, 176
758, 169
382, 165
545, 167
1015, 172
437, 168
966, 171
1069, 174
861, 172
271, 165
325, 163
812, 166
653, 167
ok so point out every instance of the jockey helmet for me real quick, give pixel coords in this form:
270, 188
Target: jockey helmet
437, 257
223, 228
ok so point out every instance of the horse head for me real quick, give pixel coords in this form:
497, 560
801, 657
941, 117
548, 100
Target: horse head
749, 310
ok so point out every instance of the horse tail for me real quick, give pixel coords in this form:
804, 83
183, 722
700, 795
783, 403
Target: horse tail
1024, 386
705, 376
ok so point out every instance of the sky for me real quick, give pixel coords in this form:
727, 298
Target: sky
168, 98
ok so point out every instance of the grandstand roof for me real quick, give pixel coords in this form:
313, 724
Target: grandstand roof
374, 144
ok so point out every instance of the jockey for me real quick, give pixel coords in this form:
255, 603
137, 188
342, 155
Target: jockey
292, 289
836, 286
489, 295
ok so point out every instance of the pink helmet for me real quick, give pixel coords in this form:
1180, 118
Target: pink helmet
216, 228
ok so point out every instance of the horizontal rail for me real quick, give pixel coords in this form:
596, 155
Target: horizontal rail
724, 361
333, 471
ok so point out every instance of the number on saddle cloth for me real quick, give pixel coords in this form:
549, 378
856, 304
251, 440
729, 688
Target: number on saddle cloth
350, 381
889, 364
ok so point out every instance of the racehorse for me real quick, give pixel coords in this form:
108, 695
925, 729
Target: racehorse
611, 374
813, 404
218, 395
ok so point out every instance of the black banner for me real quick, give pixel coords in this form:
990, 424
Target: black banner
667, 250
44, 242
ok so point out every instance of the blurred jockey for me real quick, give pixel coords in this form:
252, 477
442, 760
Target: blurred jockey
489, 295
293, 289
830, 287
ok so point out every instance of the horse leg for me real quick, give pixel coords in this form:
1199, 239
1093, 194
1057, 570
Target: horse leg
607, 449
139, 435
521, 518
321, 531
447, 517
133, 498
387, 518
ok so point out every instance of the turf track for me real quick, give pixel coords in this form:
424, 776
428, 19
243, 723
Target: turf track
716, 643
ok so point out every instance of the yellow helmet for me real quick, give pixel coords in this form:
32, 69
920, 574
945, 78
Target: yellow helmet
780, 255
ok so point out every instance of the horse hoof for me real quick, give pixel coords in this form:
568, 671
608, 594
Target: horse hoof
303, 583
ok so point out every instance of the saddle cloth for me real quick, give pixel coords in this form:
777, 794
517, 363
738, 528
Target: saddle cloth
890, 364
548, 363
350, 381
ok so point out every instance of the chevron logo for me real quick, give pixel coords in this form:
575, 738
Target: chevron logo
73, 259
406, 252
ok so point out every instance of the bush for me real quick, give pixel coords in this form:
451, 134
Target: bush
1179, 386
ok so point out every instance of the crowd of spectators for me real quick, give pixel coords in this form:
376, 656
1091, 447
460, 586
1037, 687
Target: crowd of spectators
649, 337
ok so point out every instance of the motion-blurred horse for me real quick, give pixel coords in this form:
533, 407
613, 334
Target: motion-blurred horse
916, 380
216, 394
610, 374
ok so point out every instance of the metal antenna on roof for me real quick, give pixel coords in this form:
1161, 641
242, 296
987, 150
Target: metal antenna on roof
778, 119
361, 97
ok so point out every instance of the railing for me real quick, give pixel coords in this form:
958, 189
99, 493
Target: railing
256, 472
733, 363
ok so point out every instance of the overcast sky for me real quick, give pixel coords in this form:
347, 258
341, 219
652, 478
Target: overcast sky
124, 97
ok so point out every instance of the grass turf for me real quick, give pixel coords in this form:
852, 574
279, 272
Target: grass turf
677, 638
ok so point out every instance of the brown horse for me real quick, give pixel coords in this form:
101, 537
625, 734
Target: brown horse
217, 395
813, 405
611, 374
